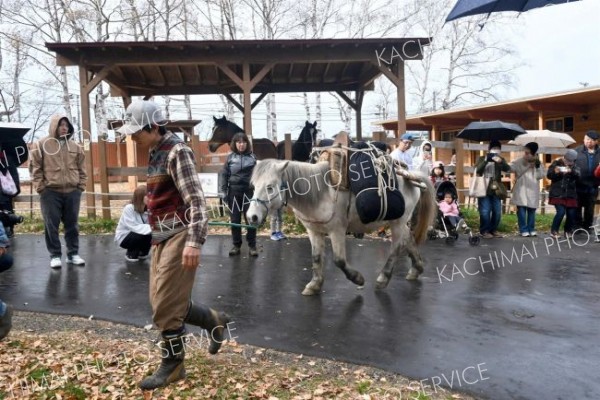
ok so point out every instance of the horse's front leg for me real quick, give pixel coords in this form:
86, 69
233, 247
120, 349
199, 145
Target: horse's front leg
338, 244
317, 243
398, 237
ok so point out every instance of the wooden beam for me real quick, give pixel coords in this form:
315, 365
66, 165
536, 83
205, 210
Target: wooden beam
140, 72
400, 96
493, 115
232, 75
446, 121
308, 71
390, 75
104, 187
233, 89
325, 71
162, 76
179, 74
347, 99
98, 78
290, 71
541, 120
199, 74
260, 75
343, 72
557, 107
234, 102
86, 126
258, 99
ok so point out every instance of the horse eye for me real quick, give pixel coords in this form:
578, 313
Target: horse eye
269, 187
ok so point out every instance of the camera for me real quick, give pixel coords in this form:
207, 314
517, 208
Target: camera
9, 218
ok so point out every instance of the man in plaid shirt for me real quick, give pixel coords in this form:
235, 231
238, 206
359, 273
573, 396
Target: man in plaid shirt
178, 217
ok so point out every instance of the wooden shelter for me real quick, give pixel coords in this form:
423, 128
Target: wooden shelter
229, 67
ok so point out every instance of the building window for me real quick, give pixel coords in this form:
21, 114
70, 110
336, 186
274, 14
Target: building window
564, 124
448, 136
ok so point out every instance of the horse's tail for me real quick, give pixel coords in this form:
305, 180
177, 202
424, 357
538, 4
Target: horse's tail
426, 210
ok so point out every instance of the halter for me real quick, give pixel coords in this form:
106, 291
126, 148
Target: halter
265, 203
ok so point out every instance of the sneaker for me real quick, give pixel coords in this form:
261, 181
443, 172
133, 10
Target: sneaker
497, 235
55, 262
275, 236
487, 236
554, 235
235, 250
6, 321
253, 252
132, 256
525, 234
280, 235
534, 233
75, 260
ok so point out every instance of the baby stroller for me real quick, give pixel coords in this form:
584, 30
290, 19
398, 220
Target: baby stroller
443, 228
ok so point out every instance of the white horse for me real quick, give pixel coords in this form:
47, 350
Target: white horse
324, 209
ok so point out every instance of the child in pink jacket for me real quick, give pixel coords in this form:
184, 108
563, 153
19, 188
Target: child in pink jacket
449, 208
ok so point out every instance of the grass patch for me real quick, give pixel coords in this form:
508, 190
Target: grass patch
508, 223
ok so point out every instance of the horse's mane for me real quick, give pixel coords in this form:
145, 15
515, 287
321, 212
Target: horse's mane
305, 181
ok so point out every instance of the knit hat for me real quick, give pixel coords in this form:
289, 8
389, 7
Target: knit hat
592, 135
495, 144
532, 146
571, 155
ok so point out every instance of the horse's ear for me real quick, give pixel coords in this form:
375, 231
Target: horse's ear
283, 166
315, 124
307, 123
224, 118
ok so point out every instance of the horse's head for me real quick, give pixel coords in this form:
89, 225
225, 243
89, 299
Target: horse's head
269, 190
309, 133
222, 132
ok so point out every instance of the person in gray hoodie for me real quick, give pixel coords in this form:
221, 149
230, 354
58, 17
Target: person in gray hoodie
58, 174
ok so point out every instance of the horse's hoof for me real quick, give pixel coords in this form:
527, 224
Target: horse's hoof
359, 279
380, 285
310, 292
412, 276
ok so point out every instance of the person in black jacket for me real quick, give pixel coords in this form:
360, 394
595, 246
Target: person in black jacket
12, 154
564, 175
236, 191
588, 158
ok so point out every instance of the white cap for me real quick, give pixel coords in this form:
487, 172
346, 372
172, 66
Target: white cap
139, 114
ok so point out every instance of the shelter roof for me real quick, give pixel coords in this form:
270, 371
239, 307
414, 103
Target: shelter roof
568, 102
211, 67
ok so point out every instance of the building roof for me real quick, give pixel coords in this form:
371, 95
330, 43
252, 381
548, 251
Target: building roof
573, 101
211, 67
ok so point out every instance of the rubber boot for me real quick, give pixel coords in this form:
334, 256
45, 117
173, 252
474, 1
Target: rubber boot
171, 367
213, 321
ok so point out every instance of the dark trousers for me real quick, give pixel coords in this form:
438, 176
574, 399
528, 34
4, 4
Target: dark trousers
6, 261
56, 208
136, 243
560, 213
526, 219
238, 203
452, 220
585, 210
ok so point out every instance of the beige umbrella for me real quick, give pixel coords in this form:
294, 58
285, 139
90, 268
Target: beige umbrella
544, 138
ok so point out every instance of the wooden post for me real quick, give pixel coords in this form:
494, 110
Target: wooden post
86, 125
131, 151
359, 100
247, 100
459, 169
288, 146
434, 135
401, 98
104, 178
196, 148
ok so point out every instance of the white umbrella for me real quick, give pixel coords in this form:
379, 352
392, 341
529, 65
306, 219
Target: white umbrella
544, 138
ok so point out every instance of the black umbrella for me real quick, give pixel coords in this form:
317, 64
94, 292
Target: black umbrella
464, 8
490, 130
11, 141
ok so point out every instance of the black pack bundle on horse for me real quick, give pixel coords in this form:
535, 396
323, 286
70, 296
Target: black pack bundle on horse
316, 194
374, 183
